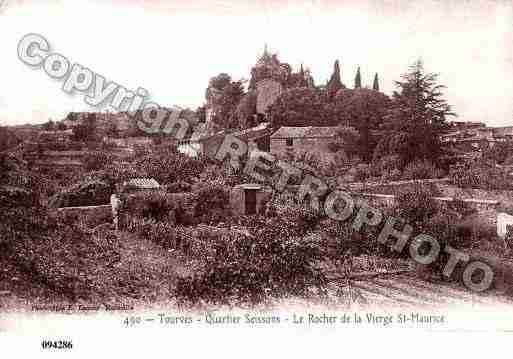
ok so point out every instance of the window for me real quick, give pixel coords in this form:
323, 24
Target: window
289, 142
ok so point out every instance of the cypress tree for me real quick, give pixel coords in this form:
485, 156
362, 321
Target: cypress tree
335, 83
375, 85
358, 79
302, 79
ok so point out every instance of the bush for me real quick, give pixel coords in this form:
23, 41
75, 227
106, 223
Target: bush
174, 208
249, 269
299, 217
391, 175
463, 209
498, 153
421, 169
213, 202
169, 166
161, 233
17, 197
388, 164
508, 161
363, 172
481, 176
416, 204
94, 161
178, 187
88, 193
63, 258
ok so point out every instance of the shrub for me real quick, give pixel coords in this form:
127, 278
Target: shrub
460, 207
94, 161
88, 193
174, 208
481, 176
416, 204
240, 268
363, 172
169, 166
498, 153
213, 200
161, 233
508, 161
388, 163
17, 197
421, 169
298, 217
391, 175
61, 257
178, 187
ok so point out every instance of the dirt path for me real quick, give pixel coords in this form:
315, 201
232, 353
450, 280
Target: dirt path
407, 290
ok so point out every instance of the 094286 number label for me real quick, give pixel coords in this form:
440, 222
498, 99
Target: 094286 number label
56, 344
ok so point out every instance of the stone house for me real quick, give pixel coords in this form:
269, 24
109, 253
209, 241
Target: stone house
256, 137
304, 140
249, 198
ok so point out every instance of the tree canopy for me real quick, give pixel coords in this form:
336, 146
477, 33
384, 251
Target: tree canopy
364, 110
224, 95
301, 106
417, 117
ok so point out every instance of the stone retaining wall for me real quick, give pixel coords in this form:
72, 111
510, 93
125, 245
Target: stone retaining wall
92, 215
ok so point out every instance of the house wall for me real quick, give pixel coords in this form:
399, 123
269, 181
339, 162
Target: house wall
317, 146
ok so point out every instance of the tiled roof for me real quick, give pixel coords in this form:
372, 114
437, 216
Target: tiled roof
305, 132
143, 183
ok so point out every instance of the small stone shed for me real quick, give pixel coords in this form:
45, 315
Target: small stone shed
249, 198
141, 184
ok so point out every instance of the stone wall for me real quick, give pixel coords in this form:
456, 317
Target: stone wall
91, 215
389, 201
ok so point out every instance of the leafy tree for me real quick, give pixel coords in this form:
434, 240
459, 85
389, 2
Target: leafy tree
201, 114
224, 95
220, 81
72, 116
364, 110
417, 116
86, 129
301, 106
358, 79
230, 98
348, 140
61, 126
246, 110
48, 126
168, 166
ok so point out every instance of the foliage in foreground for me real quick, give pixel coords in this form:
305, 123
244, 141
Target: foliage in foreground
236, 266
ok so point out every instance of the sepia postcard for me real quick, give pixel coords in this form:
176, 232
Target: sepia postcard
256, 178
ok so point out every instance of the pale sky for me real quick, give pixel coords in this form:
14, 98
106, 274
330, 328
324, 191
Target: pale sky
172, 48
